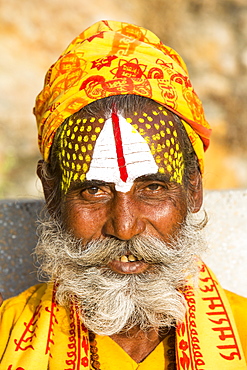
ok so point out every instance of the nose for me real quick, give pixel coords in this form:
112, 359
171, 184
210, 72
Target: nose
125, 220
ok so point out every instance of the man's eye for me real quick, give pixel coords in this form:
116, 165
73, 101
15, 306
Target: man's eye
93, 190
154, 187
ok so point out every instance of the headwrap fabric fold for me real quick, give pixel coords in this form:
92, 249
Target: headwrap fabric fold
114, 58
36, 333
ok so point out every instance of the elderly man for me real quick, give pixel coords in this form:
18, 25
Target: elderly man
122, 134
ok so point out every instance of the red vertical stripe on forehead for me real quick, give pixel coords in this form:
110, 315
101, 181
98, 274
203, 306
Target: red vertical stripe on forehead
119, 147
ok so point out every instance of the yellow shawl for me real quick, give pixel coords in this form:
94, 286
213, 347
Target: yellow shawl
37, 334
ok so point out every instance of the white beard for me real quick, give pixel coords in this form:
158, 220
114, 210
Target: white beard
109, 302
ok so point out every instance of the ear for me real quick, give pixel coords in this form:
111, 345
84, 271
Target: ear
195, 190
48, 184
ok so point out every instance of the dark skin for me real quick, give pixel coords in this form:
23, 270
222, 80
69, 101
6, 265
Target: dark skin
153, 205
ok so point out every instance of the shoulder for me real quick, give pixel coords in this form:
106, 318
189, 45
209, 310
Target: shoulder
239, 309
14, 306
238, 305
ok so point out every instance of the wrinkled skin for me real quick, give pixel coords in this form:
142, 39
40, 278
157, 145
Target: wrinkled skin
154, 205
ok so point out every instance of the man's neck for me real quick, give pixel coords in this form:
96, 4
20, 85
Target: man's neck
137, 343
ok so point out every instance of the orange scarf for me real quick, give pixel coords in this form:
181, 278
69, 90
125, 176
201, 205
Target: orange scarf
114, 58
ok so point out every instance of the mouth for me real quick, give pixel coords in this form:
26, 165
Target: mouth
128, 264
128, 258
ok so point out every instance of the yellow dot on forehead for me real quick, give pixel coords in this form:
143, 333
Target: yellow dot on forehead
159, 148
70, 146
158, 159
82, 128
168, 143
161, 170
135, 113
89, 128
71, 122
85, 138
85, 167
83, 149
78, 167
101, 120
79, 138
97, 129
147, 139
79, 120
164, 112
156, 137
148, 125
175, 133
72, 136
92, 119
76, 147
76, 128
74, 156
80, 156
129, 120
150, 119
82, 177
68, 156
156, 126
88, 158
141, 120
68, 132
84, 120
162, 122
93, 137
75, 176
170, 123
155, 113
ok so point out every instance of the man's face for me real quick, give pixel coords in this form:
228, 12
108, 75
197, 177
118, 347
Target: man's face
149, 201
126, 243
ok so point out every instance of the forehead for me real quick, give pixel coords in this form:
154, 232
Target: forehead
120, 148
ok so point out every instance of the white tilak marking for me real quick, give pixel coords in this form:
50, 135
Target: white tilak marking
138, 158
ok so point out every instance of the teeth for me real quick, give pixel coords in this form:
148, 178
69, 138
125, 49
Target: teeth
132, 258
124, 259
128, 258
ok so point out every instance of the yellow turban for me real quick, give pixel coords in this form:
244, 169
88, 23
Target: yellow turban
113, 58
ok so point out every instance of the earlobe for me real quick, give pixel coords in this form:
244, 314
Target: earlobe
195, 192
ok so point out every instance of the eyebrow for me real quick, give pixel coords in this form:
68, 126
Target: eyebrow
154, 177
88, 183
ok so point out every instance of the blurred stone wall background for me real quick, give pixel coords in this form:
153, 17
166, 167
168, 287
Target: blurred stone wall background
210, 35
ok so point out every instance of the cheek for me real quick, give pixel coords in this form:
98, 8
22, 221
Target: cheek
165, 220
82, 222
